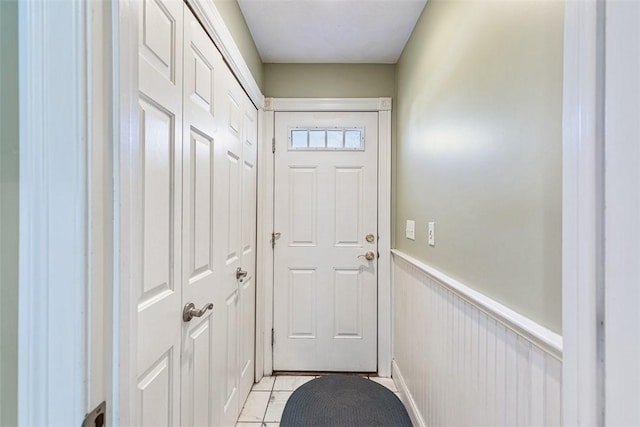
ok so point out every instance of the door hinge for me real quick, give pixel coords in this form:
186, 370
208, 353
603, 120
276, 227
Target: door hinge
96, 418
274, 237
273, 145
273, 337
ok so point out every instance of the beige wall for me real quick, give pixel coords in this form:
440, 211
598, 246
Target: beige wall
479, 110
8, 212
329, 80
234, 20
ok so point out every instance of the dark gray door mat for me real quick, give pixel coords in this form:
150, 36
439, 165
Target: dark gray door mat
344, 401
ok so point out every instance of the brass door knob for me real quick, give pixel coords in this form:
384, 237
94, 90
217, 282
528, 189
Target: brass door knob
369, 256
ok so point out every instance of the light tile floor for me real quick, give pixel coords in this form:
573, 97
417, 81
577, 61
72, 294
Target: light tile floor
267, 399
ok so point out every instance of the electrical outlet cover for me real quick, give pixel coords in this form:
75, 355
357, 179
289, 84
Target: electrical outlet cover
411, 229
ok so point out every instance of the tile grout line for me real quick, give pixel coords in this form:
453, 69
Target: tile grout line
268, 402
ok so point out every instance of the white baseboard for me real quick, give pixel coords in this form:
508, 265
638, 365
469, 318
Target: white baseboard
406, 397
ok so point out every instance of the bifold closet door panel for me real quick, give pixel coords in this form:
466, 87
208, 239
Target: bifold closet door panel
219, 226
205, 339
248, 249
157, 295
230, 187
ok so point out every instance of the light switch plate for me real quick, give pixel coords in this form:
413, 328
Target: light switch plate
432, 234
411, 229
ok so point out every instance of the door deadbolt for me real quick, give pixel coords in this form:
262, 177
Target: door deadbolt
370, 238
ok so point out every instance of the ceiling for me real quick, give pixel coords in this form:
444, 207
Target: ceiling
331, 31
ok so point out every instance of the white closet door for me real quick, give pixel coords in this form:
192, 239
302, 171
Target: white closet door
198, 152
203, 354
157, 398
248, 236
231, 242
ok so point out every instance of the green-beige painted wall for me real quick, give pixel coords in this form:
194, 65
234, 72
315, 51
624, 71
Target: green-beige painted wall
479, 148
235, 22
8, 212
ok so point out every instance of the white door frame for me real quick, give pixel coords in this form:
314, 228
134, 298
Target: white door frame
601, 199
583, 213
265, 278
622, 200
54, 122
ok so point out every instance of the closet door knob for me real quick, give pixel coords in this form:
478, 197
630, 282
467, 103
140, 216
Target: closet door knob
190, 311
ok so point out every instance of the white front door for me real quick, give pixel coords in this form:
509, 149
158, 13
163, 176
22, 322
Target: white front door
325, 288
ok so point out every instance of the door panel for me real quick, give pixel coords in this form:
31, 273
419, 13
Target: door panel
302, 294
347, 290
156, 388
160, 146
233, 202
200, 408
202, 267
303, 198
157, 147
160, 31
248, 248
348, 202
325, 295
241, 146
231, 383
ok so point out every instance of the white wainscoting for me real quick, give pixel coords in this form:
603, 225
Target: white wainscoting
461, 358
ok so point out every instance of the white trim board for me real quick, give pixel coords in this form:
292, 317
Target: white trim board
264, 264
622, 250
407, 397
53, 271
547, 340
327, 104
265, 208
582, 213
126, 178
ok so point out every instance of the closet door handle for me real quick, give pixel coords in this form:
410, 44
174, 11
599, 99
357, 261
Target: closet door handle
190, 311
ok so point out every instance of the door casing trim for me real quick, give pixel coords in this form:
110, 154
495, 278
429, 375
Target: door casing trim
264, 270
54, 288
582, 213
